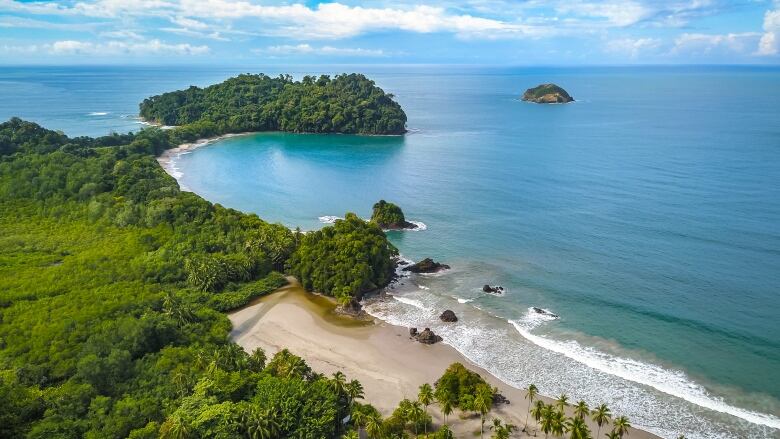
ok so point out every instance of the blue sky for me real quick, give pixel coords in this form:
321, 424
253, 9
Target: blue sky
486, 32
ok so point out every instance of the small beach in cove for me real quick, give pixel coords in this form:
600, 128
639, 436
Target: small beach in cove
381, 356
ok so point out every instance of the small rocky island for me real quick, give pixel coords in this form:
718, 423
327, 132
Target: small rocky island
427, 265
547, 94
389, 216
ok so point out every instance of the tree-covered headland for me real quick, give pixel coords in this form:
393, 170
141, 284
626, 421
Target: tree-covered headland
113, 281
389, 216
347, 104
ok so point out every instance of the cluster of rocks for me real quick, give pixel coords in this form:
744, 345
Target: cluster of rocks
426, 336
498, 289
427, 265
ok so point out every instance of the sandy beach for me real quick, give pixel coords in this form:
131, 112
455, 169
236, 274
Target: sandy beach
382, 357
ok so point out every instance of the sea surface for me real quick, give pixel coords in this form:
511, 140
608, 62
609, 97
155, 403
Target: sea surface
646, 215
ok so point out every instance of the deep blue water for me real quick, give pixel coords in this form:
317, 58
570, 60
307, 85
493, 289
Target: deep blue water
646, 215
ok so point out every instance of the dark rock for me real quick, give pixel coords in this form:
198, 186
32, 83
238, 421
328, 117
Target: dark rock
428, 337
427, 265
493, 290
448, 316
547, 94
544, 312
413, 332
500, 399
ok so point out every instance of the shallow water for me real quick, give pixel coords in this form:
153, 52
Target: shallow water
645, 215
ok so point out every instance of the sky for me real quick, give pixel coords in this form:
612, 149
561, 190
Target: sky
480, 32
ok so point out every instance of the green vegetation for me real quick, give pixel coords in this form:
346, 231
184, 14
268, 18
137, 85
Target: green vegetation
547, 94
347, 103
344, 260
111, 285
389, 216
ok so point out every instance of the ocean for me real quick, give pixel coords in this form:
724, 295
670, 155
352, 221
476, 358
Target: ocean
646, 215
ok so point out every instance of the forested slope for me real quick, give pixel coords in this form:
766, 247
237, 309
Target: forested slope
347, 103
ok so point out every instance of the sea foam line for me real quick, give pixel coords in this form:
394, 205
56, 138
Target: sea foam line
671, 382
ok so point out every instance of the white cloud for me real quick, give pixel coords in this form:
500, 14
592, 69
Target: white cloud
306, 49
621, 14
73, 47
769, 44
633, 46
700, 44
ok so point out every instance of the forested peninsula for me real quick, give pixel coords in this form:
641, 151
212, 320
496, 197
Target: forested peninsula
113, 281
112, 287
346, 104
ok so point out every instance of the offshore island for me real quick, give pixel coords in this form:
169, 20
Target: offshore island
131, 300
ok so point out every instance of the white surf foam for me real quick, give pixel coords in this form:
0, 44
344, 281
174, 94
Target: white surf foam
420, 226
409, 301
328, 219
98, 113
423, 287
460, 300
671, 382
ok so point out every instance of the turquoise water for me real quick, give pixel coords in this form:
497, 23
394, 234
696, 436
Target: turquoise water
645, 215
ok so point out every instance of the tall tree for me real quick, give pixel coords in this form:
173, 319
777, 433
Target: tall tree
425, 397
530, 393
600, 416
621, 426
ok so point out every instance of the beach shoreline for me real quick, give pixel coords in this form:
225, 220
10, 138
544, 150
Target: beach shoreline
381, 356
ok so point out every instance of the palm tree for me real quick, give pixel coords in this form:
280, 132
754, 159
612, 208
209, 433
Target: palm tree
444, 432
538, 410
415, 413
581, 409
682, 436
351, 435
559, 422
578, 428
374, 427
600, 416
501, 431
354, 391
359, 418
562, 401
259, 424
530, 393
444, 399
612, 435
621, 426
482, 404
339, 385
547, 419
426, 398
257, 360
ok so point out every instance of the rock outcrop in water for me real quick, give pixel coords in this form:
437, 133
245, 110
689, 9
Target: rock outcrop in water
547, 94
498, 289
389, 216
427, 265
448, 316
544, 312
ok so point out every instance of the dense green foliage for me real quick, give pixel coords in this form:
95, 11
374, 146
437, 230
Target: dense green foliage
350, 104
388, 215
462, 385
344, 260
547, 93
111, 285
